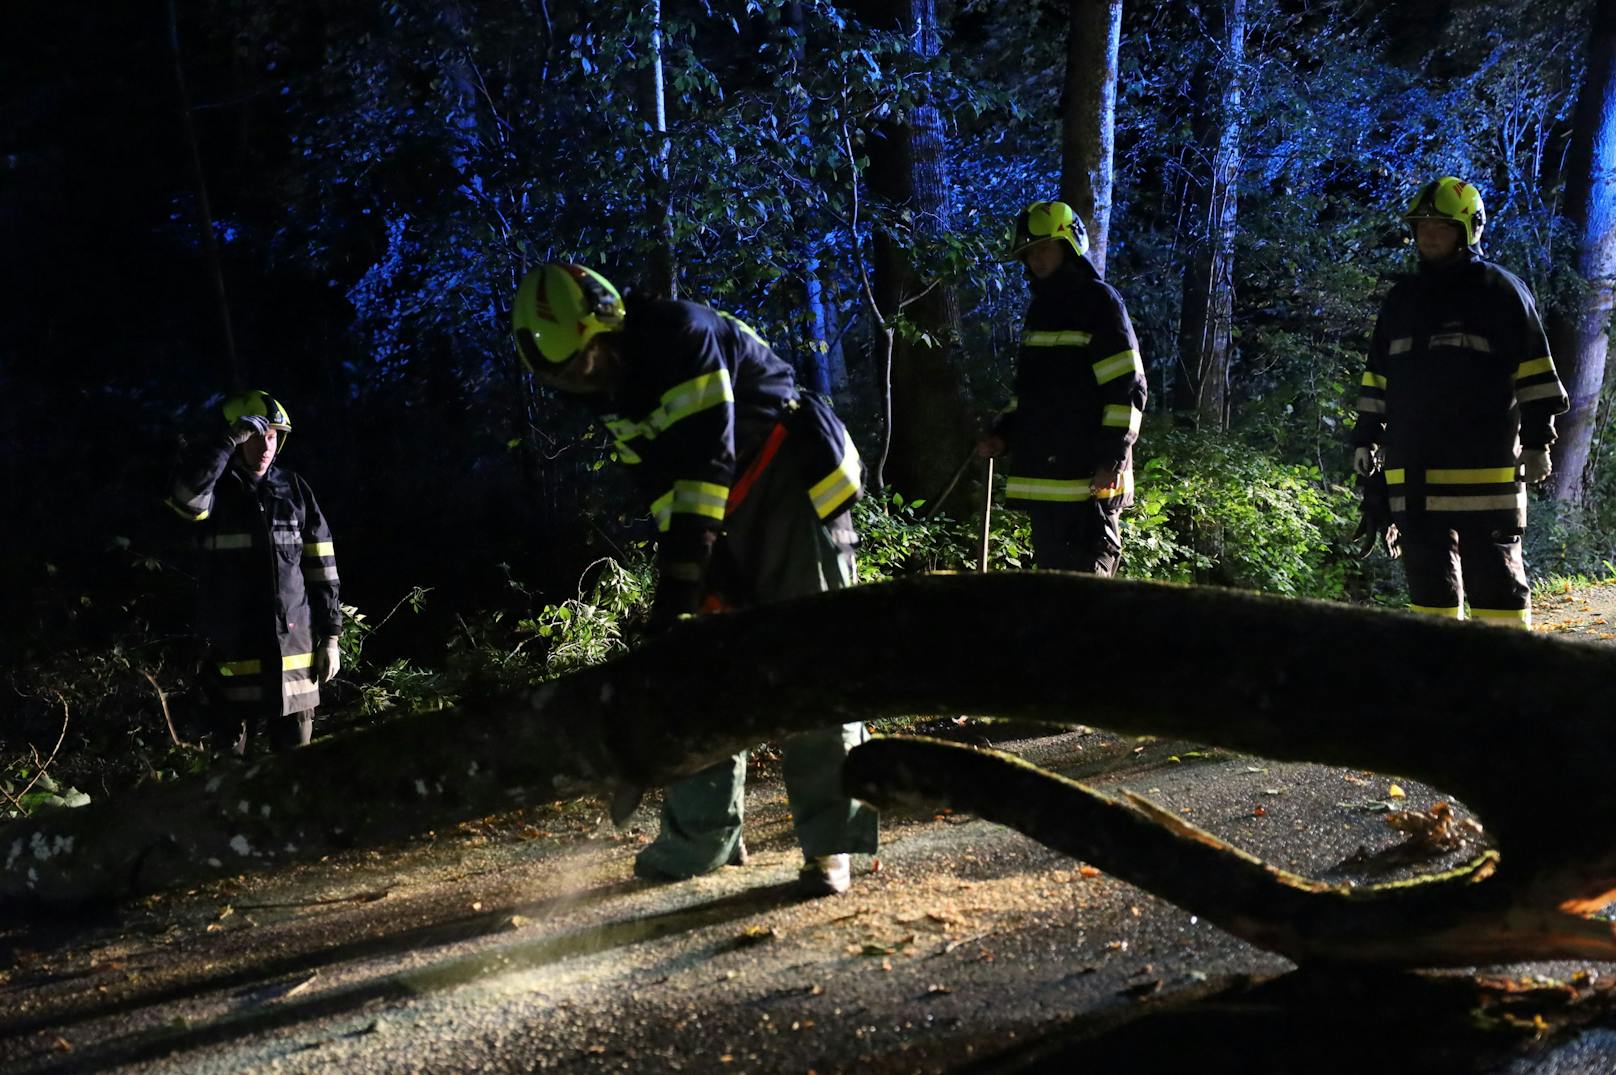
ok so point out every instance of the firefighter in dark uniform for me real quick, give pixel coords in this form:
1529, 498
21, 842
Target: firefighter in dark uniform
749, 482
1458, 404
1079, 397
267, 580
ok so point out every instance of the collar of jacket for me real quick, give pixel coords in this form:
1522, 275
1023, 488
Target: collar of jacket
1073, 271
1463, 259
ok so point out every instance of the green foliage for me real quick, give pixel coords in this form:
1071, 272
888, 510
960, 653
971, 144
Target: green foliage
28, 791
895, 538
1209, 509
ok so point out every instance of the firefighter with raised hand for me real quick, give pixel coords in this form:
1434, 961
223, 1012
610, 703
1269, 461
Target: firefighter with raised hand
749, 481
1458, 404
267, 579
1079, 397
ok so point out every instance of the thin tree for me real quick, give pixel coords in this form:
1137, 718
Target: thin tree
663, 279
1206, 324
1579, 335
1089, 119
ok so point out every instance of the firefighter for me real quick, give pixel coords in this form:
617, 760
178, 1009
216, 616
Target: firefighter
749, 481
1079, 397
1458, 404
267, 580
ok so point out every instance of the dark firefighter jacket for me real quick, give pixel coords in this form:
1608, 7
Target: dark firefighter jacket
1459, 378
267, 578
1080, 390
703, 404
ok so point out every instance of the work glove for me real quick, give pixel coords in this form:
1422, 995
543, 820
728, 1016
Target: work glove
328, 660
246, 427
1365, 461
1535, 464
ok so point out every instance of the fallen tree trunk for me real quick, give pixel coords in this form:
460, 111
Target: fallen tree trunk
1497, 718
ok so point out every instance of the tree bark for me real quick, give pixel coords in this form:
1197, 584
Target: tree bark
1089, 121
1294, 680
1578, 336
929, 427
1206, 323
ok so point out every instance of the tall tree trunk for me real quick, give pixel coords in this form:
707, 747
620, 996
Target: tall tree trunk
662, 279
1206, 324
1089, 122
928, 427
1579, 335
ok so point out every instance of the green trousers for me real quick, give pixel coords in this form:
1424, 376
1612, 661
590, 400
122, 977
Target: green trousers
774, 547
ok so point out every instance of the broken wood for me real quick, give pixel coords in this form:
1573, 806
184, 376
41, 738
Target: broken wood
1499, 719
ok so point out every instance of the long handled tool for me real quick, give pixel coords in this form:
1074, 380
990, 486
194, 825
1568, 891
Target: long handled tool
987, 516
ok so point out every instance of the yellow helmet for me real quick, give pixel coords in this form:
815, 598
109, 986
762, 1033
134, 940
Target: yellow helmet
1453, 200
1047, 220
559, 308
256, 401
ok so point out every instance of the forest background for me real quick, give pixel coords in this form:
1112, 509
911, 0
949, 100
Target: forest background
334, 202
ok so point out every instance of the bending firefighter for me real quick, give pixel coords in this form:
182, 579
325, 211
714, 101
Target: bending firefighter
749, 482
1458, 404
1079, 397
267, 581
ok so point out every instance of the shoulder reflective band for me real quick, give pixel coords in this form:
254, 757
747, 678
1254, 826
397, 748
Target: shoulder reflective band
1123, 362
1461, 339
1121, 416
1534, 367
1373, 380
691, 397
746, 329
1400, 345
840, 485
1068, 338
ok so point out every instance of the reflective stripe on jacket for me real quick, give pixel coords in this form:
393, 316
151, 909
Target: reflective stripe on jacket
266, 576
1459, 377
700, 393
1080, 390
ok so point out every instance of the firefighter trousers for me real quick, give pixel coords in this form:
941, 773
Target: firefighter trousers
776, 547
1446, 568
1083, 536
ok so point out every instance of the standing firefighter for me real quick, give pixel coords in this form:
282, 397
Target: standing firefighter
750, 482
1458, 402
268, 577
1080, 394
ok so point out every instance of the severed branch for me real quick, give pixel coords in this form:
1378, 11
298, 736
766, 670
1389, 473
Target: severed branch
1457, 918
1286, 679
40, 767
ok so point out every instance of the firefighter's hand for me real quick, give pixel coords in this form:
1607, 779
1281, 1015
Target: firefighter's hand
247, 427
1365, 462
328, 660
990, 446
1104, 479
1535, 464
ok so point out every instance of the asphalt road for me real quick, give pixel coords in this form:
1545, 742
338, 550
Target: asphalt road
523, 943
